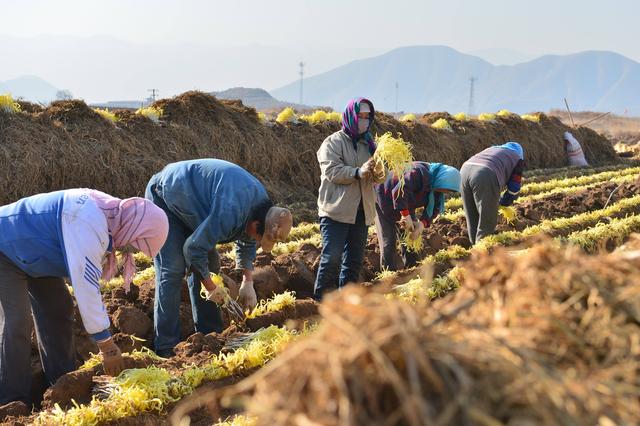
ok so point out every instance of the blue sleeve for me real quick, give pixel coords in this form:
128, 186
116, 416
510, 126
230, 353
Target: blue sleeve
245, 254
513, 185
216, 227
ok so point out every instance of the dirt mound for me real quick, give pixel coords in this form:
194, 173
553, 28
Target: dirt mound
542, 338
131, 320
301, 310
70, 145
77, 385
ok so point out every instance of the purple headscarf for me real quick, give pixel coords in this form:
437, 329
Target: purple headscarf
350, 123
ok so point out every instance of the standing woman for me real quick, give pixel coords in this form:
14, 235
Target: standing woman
72, 233
425, 185
346, 200
484, 176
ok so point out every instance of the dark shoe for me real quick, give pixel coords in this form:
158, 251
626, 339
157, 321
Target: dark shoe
165, 353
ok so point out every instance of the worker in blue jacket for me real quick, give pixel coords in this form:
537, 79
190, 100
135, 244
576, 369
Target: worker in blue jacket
208, 202
72, 233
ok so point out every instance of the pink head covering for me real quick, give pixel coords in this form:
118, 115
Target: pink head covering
134, 221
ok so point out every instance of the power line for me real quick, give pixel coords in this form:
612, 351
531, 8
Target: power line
301, 65
396, 97
472, 80
154, 92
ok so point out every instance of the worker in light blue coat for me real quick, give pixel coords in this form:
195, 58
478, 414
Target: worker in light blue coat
208, 202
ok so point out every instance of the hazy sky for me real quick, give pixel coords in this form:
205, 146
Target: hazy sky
535, 27
374, 26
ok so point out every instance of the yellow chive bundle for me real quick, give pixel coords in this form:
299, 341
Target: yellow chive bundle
286, 115
152, 113
531, 117
408, 117
7, 104
509, 213
106, 114
395, 155
461, 116
275, 304
317, 117
442, 124
504, 113
487, 116
414, 246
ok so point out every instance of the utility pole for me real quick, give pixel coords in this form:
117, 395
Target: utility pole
472, 80
154, 92
396, 97
301, 65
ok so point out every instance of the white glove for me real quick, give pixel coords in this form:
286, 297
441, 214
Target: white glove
407, 223
219, 296
247, 295
418, 227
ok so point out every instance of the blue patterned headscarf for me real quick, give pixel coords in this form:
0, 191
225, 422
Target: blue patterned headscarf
442, 177
350, 123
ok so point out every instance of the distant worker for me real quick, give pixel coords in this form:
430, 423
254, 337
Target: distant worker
208, 202
346, 200
73, 233
575, 155
425, 185
483, 177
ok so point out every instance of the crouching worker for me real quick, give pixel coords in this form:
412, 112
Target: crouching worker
483, 177
575, 155
44, 238
425, 185
208, 202
346, 200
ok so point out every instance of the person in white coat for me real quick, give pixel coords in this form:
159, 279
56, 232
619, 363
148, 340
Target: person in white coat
73, 233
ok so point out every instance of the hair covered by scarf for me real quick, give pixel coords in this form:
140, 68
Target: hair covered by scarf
135, 221
515, 147
350, 122
442, 177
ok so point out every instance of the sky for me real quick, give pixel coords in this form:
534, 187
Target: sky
324, 34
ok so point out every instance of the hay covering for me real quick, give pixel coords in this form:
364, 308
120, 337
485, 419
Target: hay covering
70, 145
547, 337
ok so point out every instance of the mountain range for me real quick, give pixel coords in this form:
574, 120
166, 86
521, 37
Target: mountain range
437, 78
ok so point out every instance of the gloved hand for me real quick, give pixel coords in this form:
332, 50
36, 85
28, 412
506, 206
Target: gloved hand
247, 295
112, 361
507, 199
219, 295
418, 227
379, 174
407, 223
366, 170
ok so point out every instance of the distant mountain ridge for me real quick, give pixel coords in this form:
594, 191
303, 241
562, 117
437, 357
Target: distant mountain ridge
260, 99
29, 87
437, 78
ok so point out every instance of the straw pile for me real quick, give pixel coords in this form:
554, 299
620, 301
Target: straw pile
70, 145
548, 337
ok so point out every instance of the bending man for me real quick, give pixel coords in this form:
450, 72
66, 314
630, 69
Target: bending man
208, 202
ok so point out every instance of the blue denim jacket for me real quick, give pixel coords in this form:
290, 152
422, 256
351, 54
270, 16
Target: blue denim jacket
215, 199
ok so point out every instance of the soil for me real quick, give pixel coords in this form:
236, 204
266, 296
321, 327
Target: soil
302, 309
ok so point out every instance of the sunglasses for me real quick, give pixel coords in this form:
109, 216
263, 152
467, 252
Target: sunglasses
365, 115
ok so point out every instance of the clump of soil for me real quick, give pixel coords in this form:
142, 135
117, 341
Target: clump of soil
131, 320
301, 310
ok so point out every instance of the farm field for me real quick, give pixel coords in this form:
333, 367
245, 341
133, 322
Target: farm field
578, 213
536, 324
